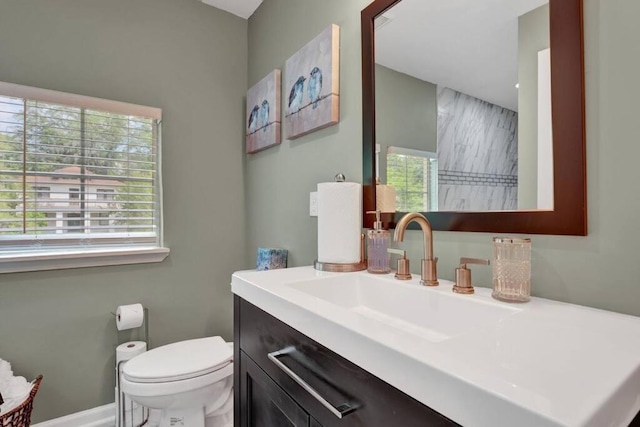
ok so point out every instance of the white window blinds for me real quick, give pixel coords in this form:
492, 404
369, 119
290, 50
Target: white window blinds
77, 171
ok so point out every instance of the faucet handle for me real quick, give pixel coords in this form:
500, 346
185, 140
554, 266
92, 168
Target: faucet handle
465, 261
463, 275
403, 271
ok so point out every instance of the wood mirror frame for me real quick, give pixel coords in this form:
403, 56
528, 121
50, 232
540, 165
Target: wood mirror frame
569, 216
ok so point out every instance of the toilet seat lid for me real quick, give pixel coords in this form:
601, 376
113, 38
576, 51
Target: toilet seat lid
179, 361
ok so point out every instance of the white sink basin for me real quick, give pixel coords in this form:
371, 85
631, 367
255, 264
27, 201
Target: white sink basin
436, 316
476, 360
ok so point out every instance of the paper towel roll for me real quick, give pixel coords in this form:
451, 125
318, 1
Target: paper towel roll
385, 198
129, 316
339, 222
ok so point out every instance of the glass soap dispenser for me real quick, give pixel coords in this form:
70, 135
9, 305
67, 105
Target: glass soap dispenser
378, 241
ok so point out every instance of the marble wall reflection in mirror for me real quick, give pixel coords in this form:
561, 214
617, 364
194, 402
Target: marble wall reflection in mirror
463, 104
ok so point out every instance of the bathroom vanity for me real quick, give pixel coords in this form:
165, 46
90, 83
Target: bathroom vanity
317, 348
270, 397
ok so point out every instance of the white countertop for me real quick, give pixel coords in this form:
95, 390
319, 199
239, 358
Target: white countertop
545, 363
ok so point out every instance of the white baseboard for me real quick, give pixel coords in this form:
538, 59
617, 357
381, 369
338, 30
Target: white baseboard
102, 416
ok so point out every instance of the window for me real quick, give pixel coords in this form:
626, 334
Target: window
414, 174
77, 172
42, 192
74, 194
101, 219
105, 194
75, 223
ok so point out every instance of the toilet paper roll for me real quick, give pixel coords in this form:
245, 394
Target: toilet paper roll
131, 412
129, 316
339, 222
129, 350
385, 198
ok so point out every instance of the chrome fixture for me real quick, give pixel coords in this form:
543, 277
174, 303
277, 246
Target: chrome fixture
429, 275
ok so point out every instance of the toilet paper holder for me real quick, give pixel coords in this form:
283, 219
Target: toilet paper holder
121, 421
145, 323
347, 267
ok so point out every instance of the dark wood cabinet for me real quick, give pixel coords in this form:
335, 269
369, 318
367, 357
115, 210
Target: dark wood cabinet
268, 390
265, 402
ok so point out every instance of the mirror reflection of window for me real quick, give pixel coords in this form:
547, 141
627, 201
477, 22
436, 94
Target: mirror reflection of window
414, 174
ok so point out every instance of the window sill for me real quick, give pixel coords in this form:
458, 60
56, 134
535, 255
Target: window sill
17, 262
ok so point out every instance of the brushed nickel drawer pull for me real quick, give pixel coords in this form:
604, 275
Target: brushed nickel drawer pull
339, 411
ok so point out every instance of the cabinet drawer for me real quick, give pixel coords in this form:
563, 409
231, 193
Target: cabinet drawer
364, 399
267, 405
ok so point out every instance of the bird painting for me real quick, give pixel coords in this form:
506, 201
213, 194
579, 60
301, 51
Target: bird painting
263, 104
295, 96
264, 115
253, 119
312, 77
315, 86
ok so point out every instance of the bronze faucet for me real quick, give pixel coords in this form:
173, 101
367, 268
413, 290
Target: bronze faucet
429, 275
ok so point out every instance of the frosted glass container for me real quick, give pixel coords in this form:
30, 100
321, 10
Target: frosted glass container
511, 269
377, 254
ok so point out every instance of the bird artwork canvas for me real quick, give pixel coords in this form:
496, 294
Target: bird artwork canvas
312, 85
263, 113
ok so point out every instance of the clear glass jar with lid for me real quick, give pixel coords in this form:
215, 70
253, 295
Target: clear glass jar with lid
511, 269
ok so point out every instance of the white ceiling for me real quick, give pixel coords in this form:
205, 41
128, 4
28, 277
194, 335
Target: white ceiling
467, 45
241, 8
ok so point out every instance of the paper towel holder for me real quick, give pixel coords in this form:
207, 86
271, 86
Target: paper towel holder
347, 267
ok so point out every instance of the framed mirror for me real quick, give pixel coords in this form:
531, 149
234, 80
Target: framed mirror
480, 104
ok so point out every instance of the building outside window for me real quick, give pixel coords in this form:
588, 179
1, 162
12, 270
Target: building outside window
57, 199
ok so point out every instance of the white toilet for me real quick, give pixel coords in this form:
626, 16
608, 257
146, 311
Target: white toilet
187, 380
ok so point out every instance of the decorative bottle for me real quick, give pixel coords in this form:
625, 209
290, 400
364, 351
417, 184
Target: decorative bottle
378, 240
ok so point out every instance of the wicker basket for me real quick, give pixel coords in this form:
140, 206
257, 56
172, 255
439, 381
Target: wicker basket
21, 415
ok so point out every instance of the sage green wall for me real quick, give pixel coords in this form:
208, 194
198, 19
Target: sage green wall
406, 114
533, 36
600, 270
191, 60
279, 179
